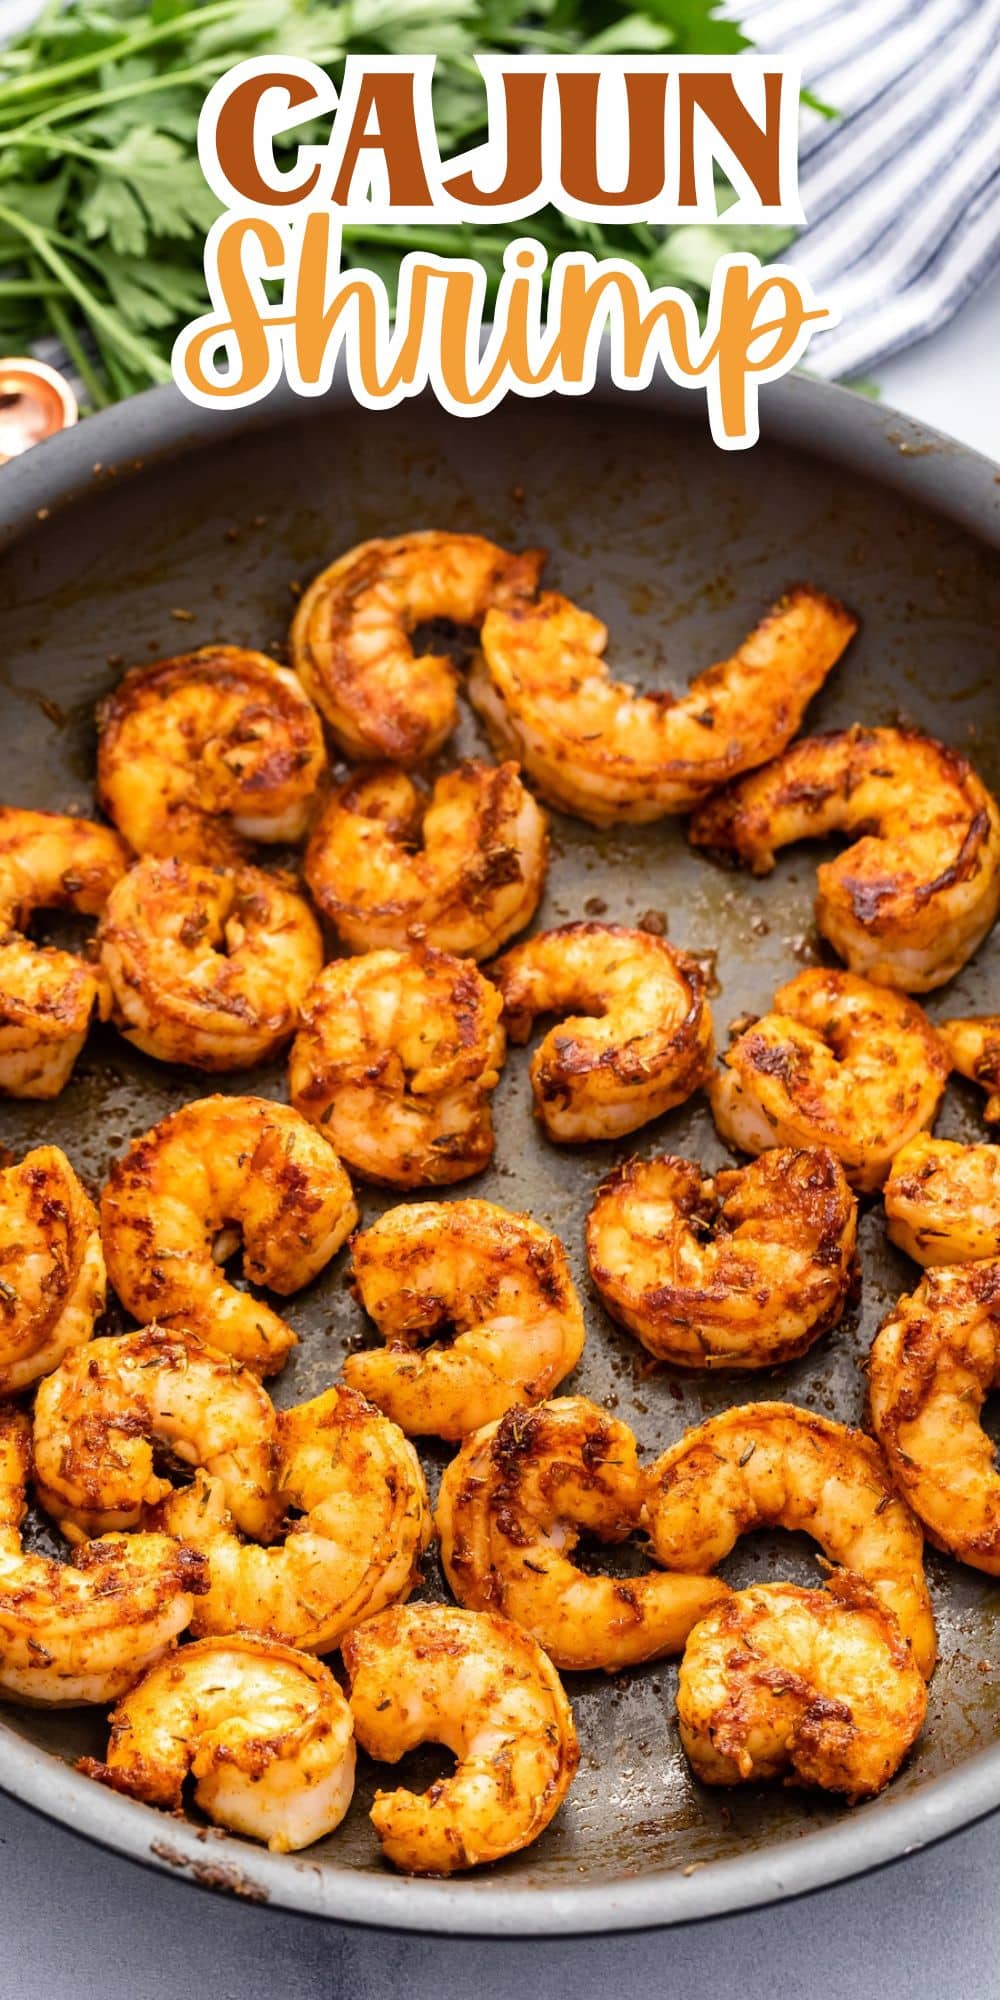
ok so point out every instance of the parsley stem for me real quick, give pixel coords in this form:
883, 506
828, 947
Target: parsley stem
95, 100
121, 93
113, 328
64, 330
195, 19
46, 142
116, 376
30, 288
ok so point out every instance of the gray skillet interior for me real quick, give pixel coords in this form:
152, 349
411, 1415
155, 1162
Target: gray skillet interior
197, 533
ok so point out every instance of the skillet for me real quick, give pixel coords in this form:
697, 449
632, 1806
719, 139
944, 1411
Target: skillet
156, 527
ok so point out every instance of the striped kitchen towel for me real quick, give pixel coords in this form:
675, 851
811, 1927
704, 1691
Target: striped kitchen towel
901, 191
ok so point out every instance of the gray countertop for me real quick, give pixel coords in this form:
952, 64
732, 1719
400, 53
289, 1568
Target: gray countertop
79, 1922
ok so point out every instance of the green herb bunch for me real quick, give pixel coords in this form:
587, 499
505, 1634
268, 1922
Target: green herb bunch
103, 207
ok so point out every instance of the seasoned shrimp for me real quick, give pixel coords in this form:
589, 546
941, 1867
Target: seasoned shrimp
178, 1202
510, 1511
52, 861
638, 1037
350, 638
774, 1465
942, 1201
934, 1361
915, 895
599, 750
814, 1685
48, 997
740, 1270
355, 1484
463, 868
203, 752
82, 1632
52, 1280
208, 966
492, 1294
264, 1731
480, 1686
973, 1049
98, 1416
837, 1062
395, 1059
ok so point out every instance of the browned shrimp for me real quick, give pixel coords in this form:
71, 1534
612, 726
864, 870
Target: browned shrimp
837, 1062
83, 1632
395, 1059
477, 1309
779, 1466
351, 635
915, 895
599, 750
52, 1280
352, 1493
462, 868
480, 1686
334, 1472
817, 1686
742, 1269
635, 1029
973, 1048
178, 1203
48, 998
933, 1363
203, 752
98, 1416
208, 966
510, 1512
942, 1201
264, 1731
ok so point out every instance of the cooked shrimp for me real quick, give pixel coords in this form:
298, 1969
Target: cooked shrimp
481, 1687
395, 1059
82, 1632
52, 1281
973, 1048
48, 998
208, 966
915, 895
599, 750
364, 1521
510, 1511
178, 1202
52, 861
742, 1269
837, 1062
492, 1294
933, 1363
200, 753
774, 1465
463, 868
350, 639
98, 1416
942, 1201
638, 1037
264, 1731
815, 1685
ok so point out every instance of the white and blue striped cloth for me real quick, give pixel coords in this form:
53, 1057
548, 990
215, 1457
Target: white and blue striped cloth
901, 191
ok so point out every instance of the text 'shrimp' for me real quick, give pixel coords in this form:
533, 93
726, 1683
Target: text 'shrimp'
622, 139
